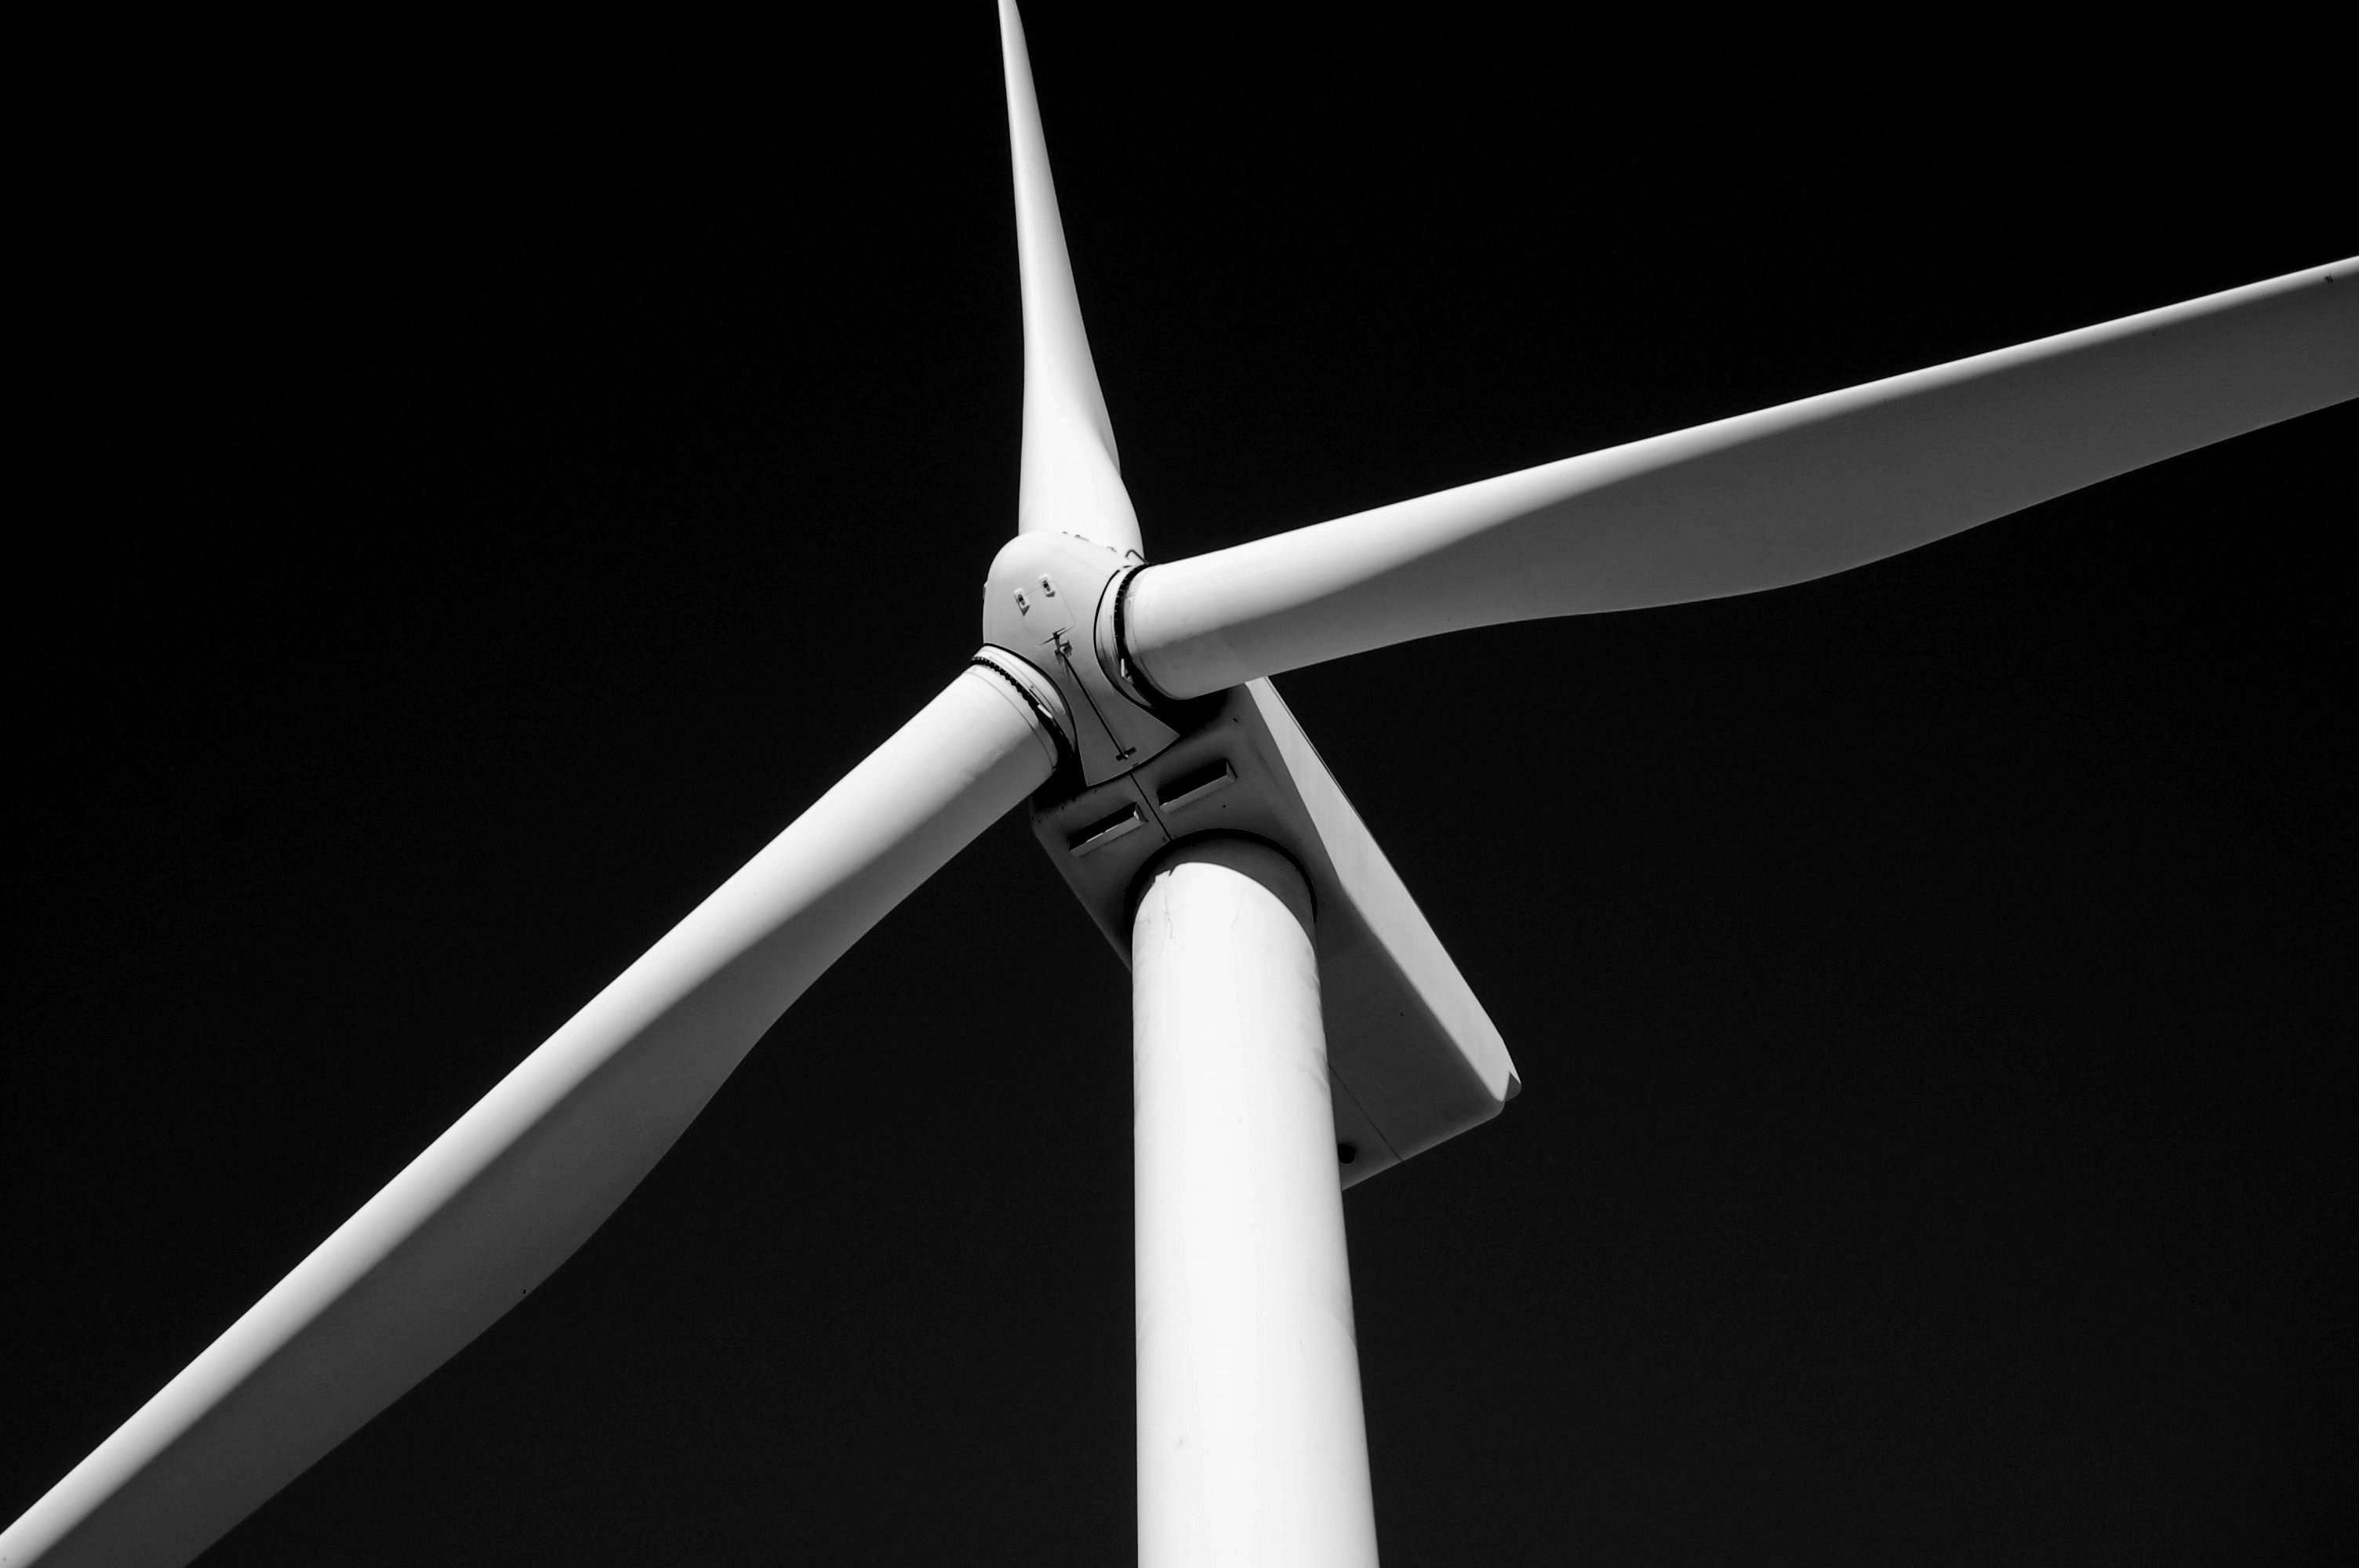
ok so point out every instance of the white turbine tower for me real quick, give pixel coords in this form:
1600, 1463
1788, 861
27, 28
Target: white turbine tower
1297, 1026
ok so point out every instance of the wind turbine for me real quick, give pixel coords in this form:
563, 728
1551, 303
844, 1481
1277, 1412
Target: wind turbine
1388, 612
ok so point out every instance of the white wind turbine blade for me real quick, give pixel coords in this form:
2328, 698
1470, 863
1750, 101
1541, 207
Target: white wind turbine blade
519, 1182
1071, 475
1760, 501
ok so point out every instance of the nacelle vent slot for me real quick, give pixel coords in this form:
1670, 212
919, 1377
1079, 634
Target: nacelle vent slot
1194, 786
1105, 830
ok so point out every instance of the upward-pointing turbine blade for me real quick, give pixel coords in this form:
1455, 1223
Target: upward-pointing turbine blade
1760, 501
1071, 476
520, 1180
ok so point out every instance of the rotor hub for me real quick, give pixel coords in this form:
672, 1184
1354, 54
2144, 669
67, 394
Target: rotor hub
1054, 601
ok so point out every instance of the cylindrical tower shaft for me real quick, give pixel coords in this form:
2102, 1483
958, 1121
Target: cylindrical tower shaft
1252, 1448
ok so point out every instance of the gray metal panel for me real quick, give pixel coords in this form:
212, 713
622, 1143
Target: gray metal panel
1412, 1056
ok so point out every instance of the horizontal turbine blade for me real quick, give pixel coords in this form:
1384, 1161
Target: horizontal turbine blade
519, 1182
1073, 473
1760, 501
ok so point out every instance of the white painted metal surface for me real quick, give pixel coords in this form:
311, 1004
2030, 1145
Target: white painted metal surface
1763, 500
1073, 473
1252, 1448
519, 1183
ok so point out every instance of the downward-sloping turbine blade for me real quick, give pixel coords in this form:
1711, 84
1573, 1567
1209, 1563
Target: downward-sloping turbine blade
1760, 501
521, 1180
1071, 476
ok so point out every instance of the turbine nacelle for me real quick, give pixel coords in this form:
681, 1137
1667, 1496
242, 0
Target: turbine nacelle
1412, 1058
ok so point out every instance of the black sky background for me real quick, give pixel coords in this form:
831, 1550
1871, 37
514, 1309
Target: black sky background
492, 485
